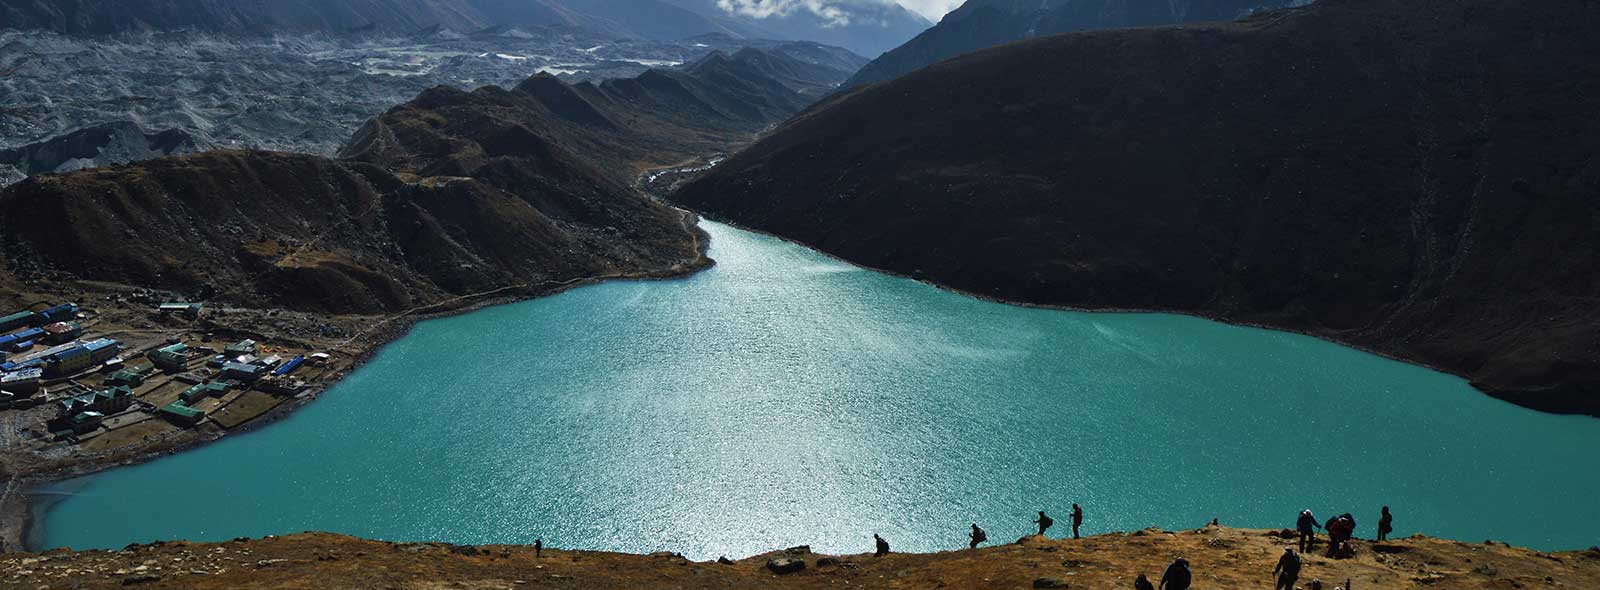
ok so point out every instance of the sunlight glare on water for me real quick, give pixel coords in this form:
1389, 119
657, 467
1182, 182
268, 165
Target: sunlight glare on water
786, 398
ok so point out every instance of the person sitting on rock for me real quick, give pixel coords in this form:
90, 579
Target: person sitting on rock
1385, 524
1288, 570
1044, 523
1306, 526
1177, 576
1143, 583
1077, 520
883, 546
977, 535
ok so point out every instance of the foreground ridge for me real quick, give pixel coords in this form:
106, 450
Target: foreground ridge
1222, 557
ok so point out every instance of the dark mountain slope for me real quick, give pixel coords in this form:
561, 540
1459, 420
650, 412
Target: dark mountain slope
451, 194
100, 17
311, 233
986, 23
1417, 177
618, 127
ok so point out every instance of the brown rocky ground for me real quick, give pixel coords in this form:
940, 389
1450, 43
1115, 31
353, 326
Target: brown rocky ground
1222, 558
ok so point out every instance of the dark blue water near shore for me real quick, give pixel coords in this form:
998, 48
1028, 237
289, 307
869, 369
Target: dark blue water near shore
786, 398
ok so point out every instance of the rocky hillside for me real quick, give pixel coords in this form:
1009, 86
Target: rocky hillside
1416, 177
1220, 558
96, 145
979, 24
454, 193
618, 127
310, 233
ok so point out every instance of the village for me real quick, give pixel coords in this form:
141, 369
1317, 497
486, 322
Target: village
99, 385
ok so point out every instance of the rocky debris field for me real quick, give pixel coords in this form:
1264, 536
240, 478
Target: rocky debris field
1221, 557
304, 94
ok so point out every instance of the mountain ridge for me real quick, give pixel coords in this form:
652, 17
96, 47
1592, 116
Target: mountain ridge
978, 24
888, 23
450, 194
1296, 170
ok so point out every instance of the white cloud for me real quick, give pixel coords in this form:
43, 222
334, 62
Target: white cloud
768, 8
833, 11
932, 9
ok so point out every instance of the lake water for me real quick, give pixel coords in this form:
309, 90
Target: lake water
786, 398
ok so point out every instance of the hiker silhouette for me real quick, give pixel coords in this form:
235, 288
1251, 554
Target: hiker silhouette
1044, 522
1177, 576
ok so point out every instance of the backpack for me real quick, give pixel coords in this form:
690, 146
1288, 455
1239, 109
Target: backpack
979, 536
1178, 576
1291, 564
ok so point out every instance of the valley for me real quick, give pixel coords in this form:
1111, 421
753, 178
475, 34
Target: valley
1180, 262
448, 202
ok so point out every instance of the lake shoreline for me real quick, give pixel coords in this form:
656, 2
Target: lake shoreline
741, 258
17, 511
1506, 397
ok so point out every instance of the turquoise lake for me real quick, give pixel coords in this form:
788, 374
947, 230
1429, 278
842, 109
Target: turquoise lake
786, 398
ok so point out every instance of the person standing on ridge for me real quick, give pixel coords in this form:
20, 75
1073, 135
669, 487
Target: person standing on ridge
1385, 524
1306, 526
977, 536
1143, 583
1077, 520
1178, 576
883, 546
1044, 523
538, 548
1288, 570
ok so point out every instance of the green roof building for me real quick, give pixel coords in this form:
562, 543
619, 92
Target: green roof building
132, 377
171, 358
203, 391
182, 414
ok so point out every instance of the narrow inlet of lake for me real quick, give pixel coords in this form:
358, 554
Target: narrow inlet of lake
785, 398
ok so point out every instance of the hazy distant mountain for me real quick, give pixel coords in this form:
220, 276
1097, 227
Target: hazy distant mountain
987, 23
865, 26
1416, 177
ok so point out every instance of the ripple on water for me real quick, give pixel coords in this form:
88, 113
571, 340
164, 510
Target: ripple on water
784, 398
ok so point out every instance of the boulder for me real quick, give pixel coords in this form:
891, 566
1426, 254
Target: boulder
785, 565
